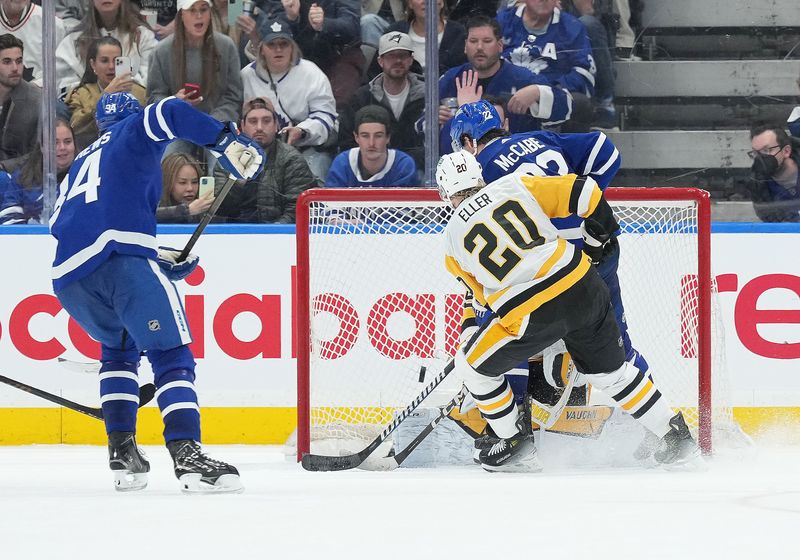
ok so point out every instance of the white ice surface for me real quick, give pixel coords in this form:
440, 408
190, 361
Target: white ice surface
57, 502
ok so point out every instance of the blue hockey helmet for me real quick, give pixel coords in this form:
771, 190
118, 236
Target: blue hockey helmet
115, 107
474, 120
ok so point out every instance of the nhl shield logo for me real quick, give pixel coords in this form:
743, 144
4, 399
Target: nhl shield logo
154, 325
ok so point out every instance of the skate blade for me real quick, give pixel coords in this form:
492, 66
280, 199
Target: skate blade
225, 484
127, 481
529, 464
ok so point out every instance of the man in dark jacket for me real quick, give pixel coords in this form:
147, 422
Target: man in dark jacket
269, 197
399, 91
20, 102
775, 186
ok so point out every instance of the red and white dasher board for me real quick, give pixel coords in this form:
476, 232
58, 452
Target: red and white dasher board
241, 307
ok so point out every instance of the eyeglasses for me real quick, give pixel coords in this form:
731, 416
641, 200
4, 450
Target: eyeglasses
763, 151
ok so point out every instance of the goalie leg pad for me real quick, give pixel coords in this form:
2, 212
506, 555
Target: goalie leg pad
493, 396
638, 395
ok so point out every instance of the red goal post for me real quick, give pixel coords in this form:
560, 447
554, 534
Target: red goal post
347, 237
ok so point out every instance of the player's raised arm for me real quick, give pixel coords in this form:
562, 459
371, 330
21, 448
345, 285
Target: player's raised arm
173, 118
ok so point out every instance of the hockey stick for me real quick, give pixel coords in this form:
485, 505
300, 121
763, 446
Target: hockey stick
394, 461
444, 412
207, 217
79, 367
146, 393
313, 462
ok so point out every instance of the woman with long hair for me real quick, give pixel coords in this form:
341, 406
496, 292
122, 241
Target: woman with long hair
99, 77
116, 18
197, 64
180, 203
21, 192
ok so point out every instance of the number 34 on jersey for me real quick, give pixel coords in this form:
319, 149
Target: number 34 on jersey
86, 180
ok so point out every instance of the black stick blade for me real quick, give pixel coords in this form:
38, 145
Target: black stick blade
318, 463
146, 393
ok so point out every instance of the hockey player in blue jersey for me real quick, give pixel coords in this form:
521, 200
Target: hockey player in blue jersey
114, 280
478, 129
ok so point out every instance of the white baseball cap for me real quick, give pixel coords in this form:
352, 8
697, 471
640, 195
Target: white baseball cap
186, 4
395, 41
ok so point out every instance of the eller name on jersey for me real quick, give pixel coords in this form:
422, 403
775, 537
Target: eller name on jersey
502, 243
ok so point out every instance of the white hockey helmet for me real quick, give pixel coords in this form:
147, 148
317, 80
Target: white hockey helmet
457, 172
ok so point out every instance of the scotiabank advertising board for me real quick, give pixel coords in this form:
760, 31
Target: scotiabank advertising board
240, 307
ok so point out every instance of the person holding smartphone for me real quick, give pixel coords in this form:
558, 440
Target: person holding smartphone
198, 65
181, 199
103, 74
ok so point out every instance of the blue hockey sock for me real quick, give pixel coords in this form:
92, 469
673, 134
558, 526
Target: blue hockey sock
175, 394
119, 389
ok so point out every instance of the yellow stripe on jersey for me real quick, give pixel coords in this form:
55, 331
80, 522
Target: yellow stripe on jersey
455, 269
497, 295
539, 298
468, 313
555, 193
504, 401
487, 340
639, 396
594, 199
552, 193
554, 258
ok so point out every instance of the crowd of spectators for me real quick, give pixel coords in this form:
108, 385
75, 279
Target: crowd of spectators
304, 71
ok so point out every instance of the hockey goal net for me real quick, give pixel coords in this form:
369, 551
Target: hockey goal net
378, 315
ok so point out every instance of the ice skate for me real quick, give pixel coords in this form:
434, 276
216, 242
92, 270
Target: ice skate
514, 454
677, 449
127, 461
485, 441
200, 474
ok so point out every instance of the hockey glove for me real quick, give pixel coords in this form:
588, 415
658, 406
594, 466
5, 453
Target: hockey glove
238, 154
595, 239
172, 269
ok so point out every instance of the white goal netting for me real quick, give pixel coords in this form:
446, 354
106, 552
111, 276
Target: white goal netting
383, 314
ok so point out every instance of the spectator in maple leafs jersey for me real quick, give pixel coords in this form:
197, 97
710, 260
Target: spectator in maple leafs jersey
477, 127
113, 279
555, 45
532, 101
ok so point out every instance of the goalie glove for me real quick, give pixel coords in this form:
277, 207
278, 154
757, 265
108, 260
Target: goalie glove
238, 154
595, 239
172, 269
